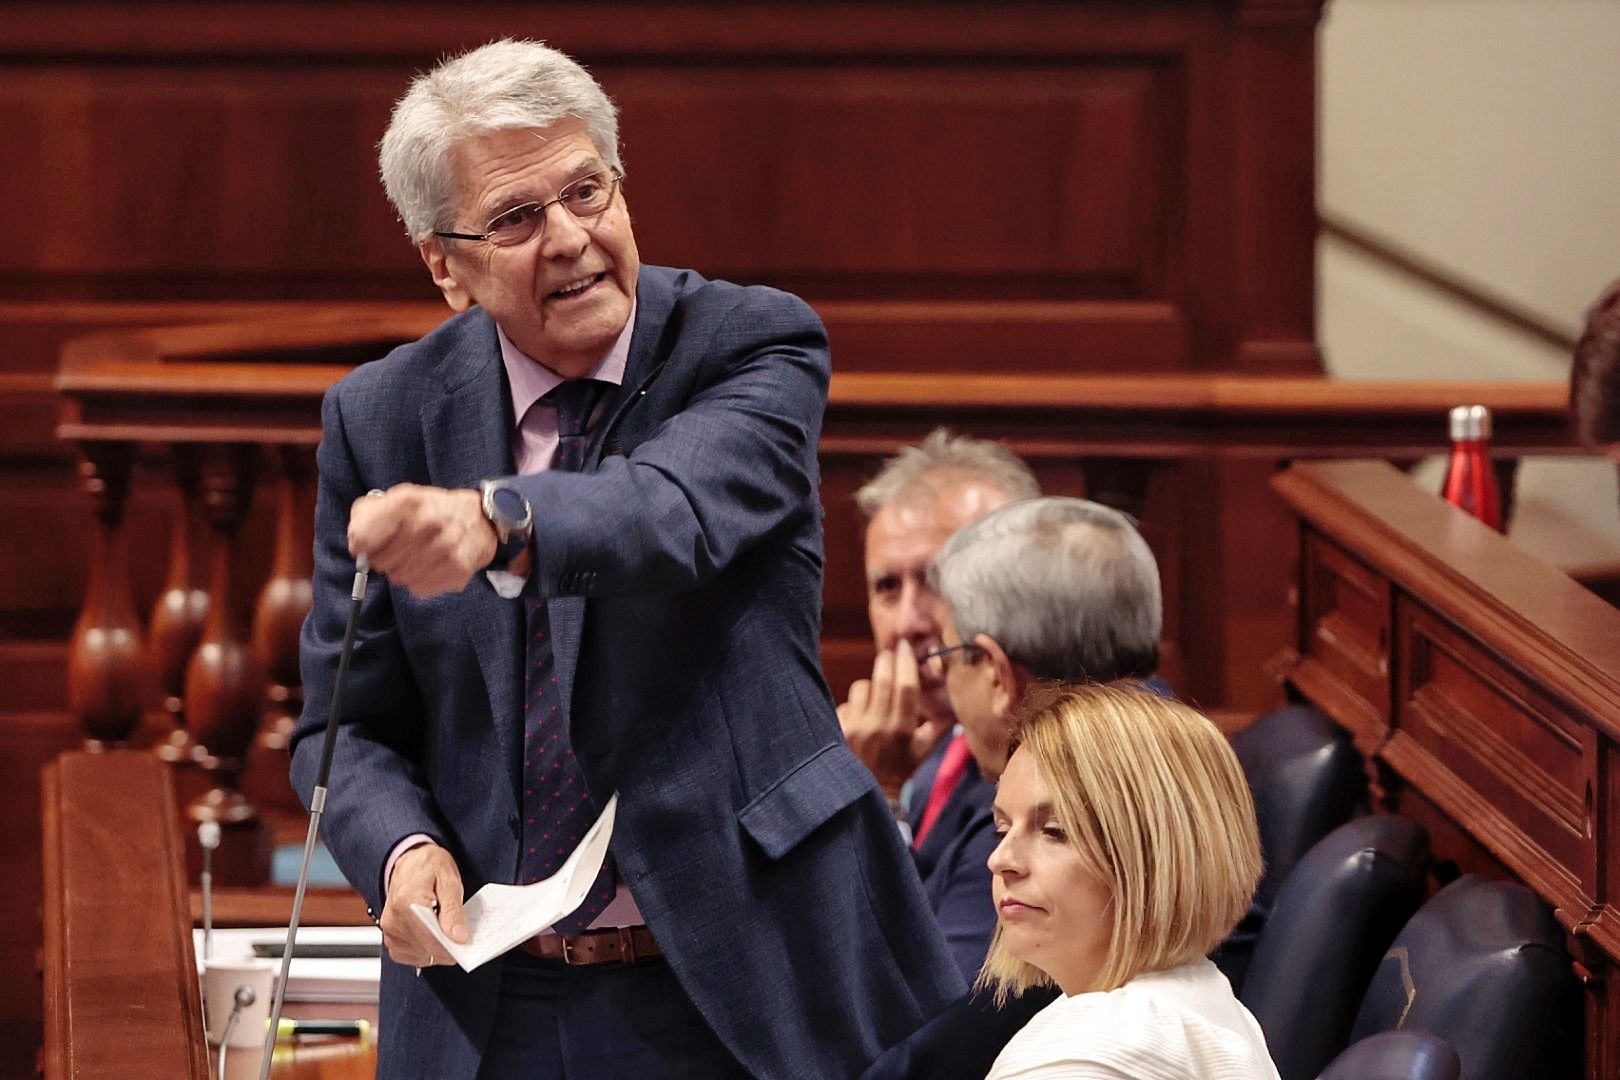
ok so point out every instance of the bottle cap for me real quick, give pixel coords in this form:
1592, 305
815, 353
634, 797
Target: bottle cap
1470, 422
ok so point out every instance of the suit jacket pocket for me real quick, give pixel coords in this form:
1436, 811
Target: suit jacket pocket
806, 797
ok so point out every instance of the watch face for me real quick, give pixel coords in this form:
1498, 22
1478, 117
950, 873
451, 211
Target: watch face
508, 504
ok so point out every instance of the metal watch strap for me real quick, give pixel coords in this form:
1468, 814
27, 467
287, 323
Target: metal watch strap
511, 533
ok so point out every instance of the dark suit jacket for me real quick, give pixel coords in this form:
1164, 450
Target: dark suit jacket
682, 574
954, 864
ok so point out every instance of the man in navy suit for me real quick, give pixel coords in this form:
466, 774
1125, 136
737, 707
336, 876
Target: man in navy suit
591, 496
899, 722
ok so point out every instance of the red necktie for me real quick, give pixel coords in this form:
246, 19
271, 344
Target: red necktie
952, 764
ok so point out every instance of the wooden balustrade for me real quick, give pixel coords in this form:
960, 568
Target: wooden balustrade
1484, 688
105, 672
1188, 455
177, 619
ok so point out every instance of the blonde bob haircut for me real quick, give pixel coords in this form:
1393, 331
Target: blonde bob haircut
1152, 796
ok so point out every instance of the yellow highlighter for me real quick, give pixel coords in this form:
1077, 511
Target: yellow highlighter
298, 1029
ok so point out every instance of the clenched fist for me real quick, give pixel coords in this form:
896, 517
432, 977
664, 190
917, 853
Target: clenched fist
428, 540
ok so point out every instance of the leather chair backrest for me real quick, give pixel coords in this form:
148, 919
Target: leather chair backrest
1307, 780
1335, 915
1396, 1055
1483, 966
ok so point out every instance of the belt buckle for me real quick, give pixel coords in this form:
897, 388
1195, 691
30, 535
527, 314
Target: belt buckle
626, 942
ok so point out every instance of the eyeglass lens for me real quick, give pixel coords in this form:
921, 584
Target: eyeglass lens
584, 198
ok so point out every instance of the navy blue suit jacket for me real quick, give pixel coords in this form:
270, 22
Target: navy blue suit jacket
953, 861
682, 575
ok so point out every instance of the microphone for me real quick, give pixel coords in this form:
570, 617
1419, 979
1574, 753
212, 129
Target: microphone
208, 837
317, 805
244, 997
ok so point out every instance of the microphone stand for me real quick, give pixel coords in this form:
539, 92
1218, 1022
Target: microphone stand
244, 998
317, 804
208, 840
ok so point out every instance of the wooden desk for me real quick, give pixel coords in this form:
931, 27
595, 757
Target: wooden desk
1484, 688
312, 1059
121, 992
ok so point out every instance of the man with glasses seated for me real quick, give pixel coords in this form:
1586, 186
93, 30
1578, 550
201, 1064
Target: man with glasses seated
591, 500
1043, 590
899, 722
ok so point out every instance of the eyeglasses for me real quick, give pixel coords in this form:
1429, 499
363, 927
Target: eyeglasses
935, 661
585, 198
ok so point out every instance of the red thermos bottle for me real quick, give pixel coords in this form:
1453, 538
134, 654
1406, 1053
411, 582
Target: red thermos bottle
1470, 481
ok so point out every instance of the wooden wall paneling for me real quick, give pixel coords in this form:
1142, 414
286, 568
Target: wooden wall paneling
1509, 761
864, 158
1344, 639
1274, 61
846, 636
1169, 531
1234, 581
1149, 492
215, 198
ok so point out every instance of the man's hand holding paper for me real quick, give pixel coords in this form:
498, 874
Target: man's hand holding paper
498, 917
424, 877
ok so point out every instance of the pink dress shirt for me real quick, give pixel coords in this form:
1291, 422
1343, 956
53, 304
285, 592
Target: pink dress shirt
534, 444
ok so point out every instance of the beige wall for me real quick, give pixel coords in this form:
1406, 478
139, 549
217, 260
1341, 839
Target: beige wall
1481, 137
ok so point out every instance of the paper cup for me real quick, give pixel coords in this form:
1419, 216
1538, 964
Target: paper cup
221, 981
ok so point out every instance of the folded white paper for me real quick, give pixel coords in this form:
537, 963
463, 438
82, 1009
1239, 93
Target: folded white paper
500, 916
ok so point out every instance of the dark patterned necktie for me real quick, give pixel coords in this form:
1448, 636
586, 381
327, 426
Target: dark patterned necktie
557, 810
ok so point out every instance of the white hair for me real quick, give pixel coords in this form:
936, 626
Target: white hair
1066, 586
941, 461
501, 86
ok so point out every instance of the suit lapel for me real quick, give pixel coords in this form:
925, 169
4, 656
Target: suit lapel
655, 299
467, 440
466, 436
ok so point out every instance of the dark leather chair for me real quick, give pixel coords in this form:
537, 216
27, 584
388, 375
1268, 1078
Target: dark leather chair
1307, 780
1396, 1055
1335, 915
1482, 965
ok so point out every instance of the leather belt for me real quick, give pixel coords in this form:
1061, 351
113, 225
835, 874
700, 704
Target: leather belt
615, 945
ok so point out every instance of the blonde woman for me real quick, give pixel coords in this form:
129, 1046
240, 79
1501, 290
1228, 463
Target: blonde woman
1128, 849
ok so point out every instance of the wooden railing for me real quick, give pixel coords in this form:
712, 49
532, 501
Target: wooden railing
1484, 687
121, 991
1188, 455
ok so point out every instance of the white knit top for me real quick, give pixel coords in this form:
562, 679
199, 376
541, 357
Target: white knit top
1181, 1024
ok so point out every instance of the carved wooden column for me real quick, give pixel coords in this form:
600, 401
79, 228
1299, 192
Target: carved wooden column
225, 678
277, 622
180, 611
105, 669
